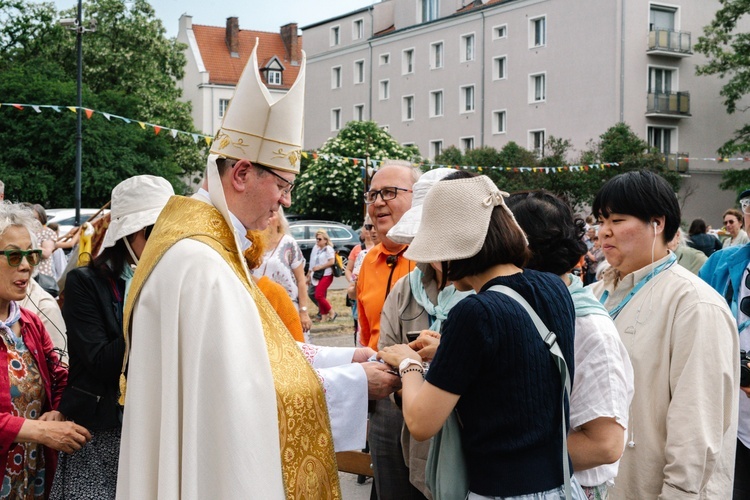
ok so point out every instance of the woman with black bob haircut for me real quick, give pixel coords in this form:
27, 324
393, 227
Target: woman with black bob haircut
701, 240
492, 365
603, 384
683, 344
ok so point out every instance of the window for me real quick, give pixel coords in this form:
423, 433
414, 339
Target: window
537, 88
660, 80
429, 10
335, 36
273, 77
436, 148
336, 77
500, 32
336, 119
536, 140
500, 70
407, 61
407, 108
359, 112
538, 32
359, 72
660, 138
385, 89
467, 48
467, 143
385, 59
467, 99
661, 17
436, 103
358, 29
498, 122
223, 105
436, 57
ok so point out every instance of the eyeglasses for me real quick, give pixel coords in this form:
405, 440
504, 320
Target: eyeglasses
286, 190
387, 194
369, 227
320, 239
729, 222
15, 257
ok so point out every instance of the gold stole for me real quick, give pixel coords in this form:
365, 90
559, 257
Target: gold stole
307, 458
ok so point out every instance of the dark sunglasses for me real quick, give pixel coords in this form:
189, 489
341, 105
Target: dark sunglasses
369, 227
15, 257
320, 239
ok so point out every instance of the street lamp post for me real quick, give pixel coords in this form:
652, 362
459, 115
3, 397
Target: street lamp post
77, 26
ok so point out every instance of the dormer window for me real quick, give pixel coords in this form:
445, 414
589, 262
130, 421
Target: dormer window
273, 77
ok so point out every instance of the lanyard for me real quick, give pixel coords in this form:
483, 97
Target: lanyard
614, 312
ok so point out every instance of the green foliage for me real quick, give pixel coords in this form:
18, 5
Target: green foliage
332, 188
129, 69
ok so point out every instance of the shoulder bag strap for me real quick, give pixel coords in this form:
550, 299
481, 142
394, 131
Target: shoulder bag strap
550, 339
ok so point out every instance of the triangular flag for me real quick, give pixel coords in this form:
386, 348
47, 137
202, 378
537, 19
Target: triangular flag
89, 113
157, 129
208, 139
56, 108
356, 162
18, 106
173, 132
304, 154
143, 125
73, 109
315, 156
36, 108
107, 116
195, 138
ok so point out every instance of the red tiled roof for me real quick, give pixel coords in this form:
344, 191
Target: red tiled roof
226, 70
474, 5
386, 30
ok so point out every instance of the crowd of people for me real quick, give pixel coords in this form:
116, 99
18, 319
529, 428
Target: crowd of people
576, 359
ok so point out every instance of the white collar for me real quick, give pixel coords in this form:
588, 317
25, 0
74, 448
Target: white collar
241, 230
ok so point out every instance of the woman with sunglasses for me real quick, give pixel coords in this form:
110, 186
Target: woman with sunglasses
94, 299
322, 259
31, 428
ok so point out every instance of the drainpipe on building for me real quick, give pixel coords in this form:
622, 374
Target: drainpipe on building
622, 60
482, 114
369, 44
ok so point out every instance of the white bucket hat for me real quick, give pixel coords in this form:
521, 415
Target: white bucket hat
136, 203
403, 232
455, 219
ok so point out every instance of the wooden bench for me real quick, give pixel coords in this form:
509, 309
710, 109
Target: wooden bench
355, 462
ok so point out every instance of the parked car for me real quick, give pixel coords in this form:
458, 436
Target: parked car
65, 217
343, 237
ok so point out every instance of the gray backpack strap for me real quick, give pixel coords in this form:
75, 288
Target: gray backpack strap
550, 339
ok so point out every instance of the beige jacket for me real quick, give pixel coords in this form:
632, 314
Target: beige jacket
45, 306
683, 344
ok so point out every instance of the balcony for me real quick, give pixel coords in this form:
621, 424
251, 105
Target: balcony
668, 104
677, 162
669, 43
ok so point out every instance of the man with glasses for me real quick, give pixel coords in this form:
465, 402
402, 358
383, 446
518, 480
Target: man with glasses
220, 401
728, 272
387, 200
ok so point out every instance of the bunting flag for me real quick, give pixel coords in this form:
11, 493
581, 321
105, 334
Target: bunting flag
91, 112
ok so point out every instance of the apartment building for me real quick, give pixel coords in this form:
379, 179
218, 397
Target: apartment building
467, 73
216, 57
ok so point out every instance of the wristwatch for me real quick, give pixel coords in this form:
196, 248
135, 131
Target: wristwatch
406, 363
303, 308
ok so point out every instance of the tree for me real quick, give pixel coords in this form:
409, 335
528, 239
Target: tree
130, 69
332, 187
728, 53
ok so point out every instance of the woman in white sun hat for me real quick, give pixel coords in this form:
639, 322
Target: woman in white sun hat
492, 365
94, 300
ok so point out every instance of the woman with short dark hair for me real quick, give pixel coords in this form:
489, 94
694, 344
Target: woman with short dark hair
492, 365
701, 240
682, 342
733, 222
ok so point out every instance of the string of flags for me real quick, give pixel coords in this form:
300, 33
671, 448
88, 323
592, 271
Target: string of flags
109, 116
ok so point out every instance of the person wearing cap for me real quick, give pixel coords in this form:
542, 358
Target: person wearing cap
727, 272
388, 198
94, 298
417, 305
492, 366
682, 343
220, 401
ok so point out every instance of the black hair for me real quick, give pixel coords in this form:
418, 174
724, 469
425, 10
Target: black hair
642, 194
698, 226
459, 174
555, 235
112, 261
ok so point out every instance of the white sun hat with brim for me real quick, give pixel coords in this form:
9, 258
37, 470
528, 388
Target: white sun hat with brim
403, 232
136, 203
455, 219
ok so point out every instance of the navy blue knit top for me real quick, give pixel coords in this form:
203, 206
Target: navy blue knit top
493, 357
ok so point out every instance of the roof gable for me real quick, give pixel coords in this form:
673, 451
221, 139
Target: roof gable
223, 69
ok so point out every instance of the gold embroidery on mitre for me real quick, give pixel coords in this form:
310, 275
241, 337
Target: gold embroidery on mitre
305, 439
293, 156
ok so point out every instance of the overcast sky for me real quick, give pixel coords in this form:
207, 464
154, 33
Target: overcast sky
253, 14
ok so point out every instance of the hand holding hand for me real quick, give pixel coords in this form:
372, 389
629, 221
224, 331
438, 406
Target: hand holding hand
395, 354
380, 380
426, 344
362, 354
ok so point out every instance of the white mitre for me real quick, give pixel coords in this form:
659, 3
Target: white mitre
256, 128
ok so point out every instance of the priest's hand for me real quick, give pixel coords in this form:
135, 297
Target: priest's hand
381, 380
362, 354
